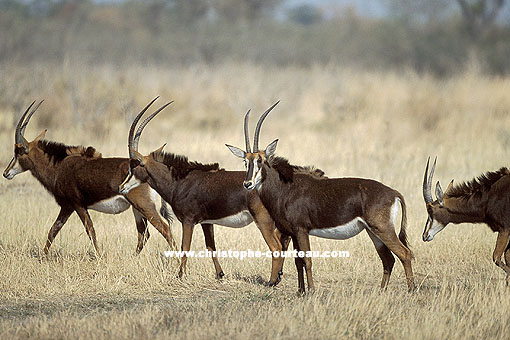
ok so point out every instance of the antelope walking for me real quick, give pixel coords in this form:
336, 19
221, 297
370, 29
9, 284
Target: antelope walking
80, 179
337, 208
200, 194
485, 199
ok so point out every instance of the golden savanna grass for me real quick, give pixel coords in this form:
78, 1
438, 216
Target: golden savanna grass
348, 123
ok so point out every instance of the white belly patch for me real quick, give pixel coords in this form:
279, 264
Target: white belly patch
341, 232
239, 220
112, 205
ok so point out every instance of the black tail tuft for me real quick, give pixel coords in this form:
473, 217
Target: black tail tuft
165, 212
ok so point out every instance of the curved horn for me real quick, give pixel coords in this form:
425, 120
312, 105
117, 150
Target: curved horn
17, 133
246, 134
259, 124
427, 181
25, 123
144, 123
133, 125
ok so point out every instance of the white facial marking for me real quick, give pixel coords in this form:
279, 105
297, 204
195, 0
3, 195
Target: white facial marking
433, 230
239, 220
258, 178
112, 205
125, 187
341, 232
15, 169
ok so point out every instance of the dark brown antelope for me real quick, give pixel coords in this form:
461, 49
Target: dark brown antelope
336, 208
485, 199
200, 194
80, 179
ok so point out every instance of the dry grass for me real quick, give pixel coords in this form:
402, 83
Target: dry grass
376, 125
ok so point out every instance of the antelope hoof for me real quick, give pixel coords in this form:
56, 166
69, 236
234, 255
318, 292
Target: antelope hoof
220, 275
275, 282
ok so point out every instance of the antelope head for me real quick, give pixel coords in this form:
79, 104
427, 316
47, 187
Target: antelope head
24, 151
139, 164
438, 215
254, 161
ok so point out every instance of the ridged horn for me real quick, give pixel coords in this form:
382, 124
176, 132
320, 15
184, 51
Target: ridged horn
427, 181
246, 133
259, 124
133, 125
146, 121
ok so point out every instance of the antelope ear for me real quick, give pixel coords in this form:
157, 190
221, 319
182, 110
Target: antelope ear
439, 194
41, 136
138, 156
236, 151
25, 145
160, 149
450, 186
271, 148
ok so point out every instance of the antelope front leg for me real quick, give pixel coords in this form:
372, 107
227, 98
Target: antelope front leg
501, 246
62, 218
274, 245
187, 233
266, 226
283, 241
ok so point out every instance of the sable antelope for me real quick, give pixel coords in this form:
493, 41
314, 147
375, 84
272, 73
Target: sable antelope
80, 179
336, 208
200, 193
485, 199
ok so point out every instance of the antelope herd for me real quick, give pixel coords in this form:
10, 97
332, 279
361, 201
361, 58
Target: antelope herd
286, 202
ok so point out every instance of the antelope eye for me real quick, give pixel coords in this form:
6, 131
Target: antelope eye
133, 163
19, 150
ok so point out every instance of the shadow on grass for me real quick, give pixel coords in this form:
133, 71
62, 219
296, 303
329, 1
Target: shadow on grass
252, 279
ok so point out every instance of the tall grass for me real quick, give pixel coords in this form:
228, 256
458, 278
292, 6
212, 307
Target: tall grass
380, 125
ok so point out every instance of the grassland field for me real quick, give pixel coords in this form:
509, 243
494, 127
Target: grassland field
379, 125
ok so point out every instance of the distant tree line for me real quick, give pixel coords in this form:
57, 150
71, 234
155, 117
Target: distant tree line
437, 36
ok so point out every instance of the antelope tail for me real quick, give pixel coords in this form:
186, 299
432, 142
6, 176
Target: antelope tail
165, 212
402, 236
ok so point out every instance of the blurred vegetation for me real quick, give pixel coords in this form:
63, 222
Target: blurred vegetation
438, 36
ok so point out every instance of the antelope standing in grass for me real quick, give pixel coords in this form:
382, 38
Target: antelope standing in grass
200, 194
337, 208
80, 179
485, 199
